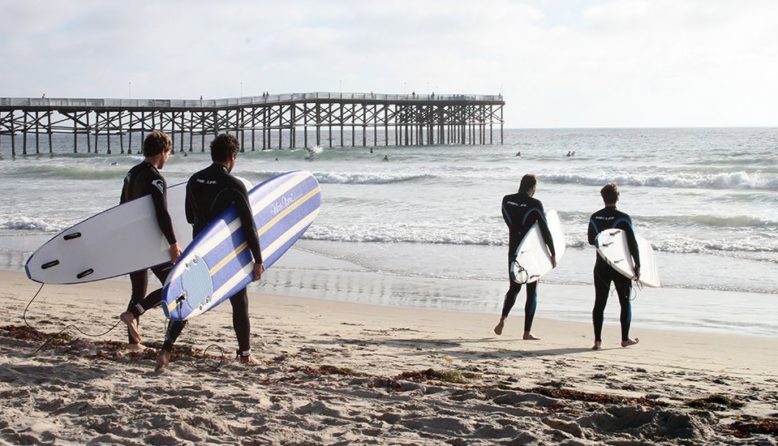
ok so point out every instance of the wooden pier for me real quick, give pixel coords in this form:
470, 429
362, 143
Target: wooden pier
264, 122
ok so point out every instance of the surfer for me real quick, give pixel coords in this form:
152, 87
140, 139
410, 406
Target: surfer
520, 211
208, 193
145, 179
609, 218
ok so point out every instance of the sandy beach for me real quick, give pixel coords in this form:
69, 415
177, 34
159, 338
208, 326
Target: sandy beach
344, 373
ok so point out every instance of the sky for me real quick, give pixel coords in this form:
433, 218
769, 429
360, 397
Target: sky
557, 63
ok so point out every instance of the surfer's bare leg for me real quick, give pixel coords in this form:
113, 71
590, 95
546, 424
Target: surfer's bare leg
498, 328
132, 326
529, 310
530, 337
139, 283
248, 359
507, 305
629, 342
163, 359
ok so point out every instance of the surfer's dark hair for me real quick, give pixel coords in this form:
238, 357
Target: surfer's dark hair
156, 142
223, 147
528, 181
610, 193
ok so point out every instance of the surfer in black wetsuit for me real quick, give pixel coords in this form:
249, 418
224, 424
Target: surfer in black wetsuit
208, 193
520, 211
145, 179
609, 218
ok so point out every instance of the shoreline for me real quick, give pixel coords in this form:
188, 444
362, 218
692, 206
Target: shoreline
343, 372
688, 310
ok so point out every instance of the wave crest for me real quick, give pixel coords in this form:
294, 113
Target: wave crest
734, 180
29, 224
369, 178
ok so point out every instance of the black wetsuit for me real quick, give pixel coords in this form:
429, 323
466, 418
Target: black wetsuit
520, 212
144, 179
208, 193
604, 219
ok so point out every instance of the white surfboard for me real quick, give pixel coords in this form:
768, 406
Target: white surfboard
117, 241
612, 246
533, 259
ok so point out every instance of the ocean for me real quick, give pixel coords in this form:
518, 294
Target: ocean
424, 228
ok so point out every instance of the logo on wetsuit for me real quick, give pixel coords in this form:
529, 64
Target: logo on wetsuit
159, 184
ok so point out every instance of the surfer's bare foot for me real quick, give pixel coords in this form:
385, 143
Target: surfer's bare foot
132, 325
163, 359
597, 345
498, 328
136, 347
248, 360
529, 337
629, 342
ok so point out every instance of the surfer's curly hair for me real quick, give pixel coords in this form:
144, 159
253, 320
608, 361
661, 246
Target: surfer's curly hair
223, 147
610, 193
157, 142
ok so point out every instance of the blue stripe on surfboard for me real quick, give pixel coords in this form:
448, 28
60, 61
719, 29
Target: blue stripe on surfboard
260, 218
229, 245
289, 220
246, 280
278, 230
235, 268
312, 203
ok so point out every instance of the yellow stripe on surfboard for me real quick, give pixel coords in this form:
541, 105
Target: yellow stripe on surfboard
216, 268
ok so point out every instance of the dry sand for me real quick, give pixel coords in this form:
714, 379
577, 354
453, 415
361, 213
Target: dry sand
341, 373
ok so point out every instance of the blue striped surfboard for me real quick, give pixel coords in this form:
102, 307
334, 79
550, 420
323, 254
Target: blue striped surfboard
218, 263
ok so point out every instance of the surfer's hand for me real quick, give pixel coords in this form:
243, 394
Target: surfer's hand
175, 252
553, 261
637, 273
259, 268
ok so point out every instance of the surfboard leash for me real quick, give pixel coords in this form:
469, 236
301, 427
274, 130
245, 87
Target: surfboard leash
51, 337
196, 362
635, 289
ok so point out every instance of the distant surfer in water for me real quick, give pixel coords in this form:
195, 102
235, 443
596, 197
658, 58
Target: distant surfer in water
145, 179
609, 218
208, 193
520, 211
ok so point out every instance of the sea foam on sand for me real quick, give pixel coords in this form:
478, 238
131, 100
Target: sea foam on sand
341, 373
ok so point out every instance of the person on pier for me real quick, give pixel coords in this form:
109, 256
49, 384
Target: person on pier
145, 179
520, 211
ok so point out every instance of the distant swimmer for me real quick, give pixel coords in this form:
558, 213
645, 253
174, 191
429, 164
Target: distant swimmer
386, 157
371, 150
518, 153
520, 211
604, 219
569, 153
313, 152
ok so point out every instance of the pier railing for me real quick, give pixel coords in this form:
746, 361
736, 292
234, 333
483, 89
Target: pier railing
407, 119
